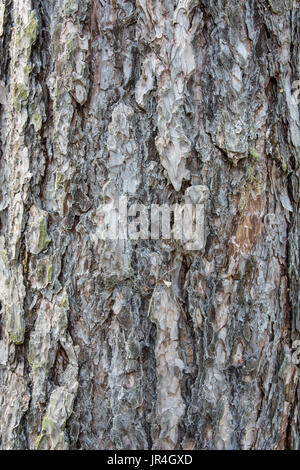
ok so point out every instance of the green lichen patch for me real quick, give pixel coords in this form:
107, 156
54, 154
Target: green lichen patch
43, 239
61, 180
254, 154
70, 48
50, 272
16, 337
49, 428
37, 239
37, 121
251, 184
20, 94
24, 37
15, 324
64, 302
30, 30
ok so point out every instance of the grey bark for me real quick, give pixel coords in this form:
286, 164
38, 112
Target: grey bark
156, 347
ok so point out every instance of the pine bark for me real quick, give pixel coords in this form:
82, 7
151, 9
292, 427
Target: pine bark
155, 346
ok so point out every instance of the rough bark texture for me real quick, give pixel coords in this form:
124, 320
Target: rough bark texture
146, 98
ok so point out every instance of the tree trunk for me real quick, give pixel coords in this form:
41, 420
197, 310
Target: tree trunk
146, 344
